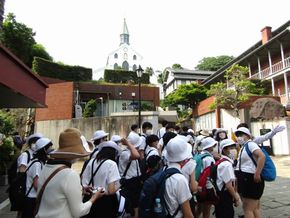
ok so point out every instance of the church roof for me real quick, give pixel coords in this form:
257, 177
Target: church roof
125, 28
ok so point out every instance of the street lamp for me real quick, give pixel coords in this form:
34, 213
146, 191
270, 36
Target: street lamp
139, 72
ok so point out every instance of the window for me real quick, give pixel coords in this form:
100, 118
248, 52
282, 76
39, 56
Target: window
116, 56
115, 66
125, 56
134, 67
125, 65
134, 57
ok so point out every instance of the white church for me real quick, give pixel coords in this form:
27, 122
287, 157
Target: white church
125, 56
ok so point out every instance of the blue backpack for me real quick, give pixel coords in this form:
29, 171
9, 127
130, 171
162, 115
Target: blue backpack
198, 159
154, 188
269, 170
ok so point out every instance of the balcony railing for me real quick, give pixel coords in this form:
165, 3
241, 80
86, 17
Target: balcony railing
275, 69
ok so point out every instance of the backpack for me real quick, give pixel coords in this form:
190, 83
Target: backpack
153, 189
269, 170
86, 162
17, 190
12, 171
208, 190
199, 164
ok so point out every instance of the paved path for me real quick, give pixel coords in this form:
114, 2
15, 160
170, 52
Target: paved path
275, 200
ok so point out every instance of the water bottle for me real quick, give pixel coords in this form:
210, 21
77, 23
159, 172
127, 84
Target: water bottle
157, 206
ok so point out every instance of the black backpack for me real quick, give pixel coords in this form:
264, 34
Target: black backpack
154, 188
12, 171
17, 190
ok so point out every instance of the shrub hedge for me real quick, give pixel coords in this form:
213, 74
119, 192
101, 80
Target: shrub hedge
123, 76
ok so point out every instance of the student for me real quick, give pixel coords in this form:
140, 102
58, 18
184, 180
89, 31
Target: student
207, 144
102, 172
130, 170
98, 137
219, 135
134, 127
226, 181
116, 139
250, 184
146, 131
177, 193
62, 197
152, 155
42, 148
26, 156
162, 130
165, 139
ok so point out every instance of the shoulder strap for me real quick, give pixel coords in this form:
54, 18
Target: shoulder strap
94, 173
126, 170
28, 156
30, 188
250, 153
39, 196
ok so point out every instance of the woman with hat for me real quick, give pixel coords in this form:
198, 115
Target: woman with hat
226, 180
32, 174
102, 173
250, 183
62, 195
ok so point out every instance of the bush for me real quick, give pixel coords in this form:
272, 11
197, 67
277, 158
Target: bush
60, 71
123, 76
90, 108
7, 123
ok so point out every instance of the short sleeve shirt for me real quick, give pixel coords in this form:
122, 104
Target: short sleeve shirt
23, 158
225, 172
143, 142
151, 151
188, 169
133, 170
207, 161
34, 170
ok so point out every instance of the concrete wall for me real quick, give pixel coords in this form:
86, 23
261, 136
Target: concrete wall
118, 123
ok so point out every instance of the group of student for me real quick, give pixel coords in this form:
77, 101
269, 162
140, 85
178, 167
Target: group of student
118, 167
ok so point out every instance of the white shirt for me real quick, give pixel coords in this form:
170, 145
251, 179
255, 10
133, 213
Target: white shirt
161, 132
106, 174
23, 158
188, 169
247, 164
133, 170
207, 161
150, 151
33, 171
225, 172
62, 197
143, 142
176, 191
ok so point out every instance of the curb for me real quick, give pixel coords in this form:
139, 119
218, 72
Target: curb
4, 203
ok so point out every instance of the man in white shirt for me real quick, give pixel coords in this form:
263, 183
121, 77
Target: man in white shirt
162, 130
146, 131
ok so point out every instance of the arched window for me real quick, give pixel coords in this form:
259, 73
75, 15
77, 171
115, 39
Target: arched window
116, 56
134, 57
125, 65
115, 66
134, 67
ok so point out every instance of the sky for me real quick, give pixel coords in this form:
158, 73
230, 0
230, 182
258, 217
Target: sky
164, 32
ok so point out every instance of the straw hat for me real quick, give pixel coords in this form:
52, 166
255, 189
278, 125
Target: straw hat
72, 145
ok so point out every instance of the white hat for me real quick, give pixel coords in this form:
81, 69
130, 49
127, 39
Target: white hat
243, 130
189, 151
116, 138
99, 134
41, 143
219, 130
198, 139
176, 150
207, 142
109, 144
134, 139
226, 142
190, 131
35, 135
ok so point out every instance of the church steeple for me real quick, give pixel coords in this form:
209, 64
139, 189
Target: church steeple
125, 34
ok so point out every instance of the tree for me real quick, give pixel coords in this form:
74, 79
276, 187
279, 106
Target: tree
213, 63
188, 95
240, 88
90, 108
2, 3
19, 39
177, 67
149, 70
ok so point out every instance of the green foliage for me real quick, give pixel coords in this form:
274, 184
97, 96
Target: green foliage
123, 76
260, 87
146, 106
177, 67
19, 39
6, 152
90, 108
7, 123
213, 63
38, 50
188, 95
60, 71
240, 88
149, 70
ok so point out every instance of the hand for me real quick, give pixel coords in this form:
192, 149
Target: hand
97, 195
87, 190
124, 141
278, 128
237, 200
257, 178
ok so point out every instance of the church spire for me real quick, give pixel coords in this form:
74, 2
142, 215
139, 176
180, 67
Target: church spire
125, 34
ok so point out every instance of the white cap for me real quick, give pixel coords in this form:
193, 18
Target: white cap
109, 144
41, 143
225, 143
198, 139
99, 134
190, 131
177, 150
207, 142
243, 130
134, 139
116, 138
35, 135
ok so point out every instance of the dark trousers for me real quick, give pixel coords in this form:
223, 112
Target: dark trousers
224, 208
29, 207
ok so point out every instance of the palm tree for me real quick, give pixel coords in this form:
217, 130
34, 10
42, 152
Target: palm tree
2, 2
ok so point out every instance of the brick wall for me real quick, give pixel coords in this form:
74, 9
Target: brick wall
59, 101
